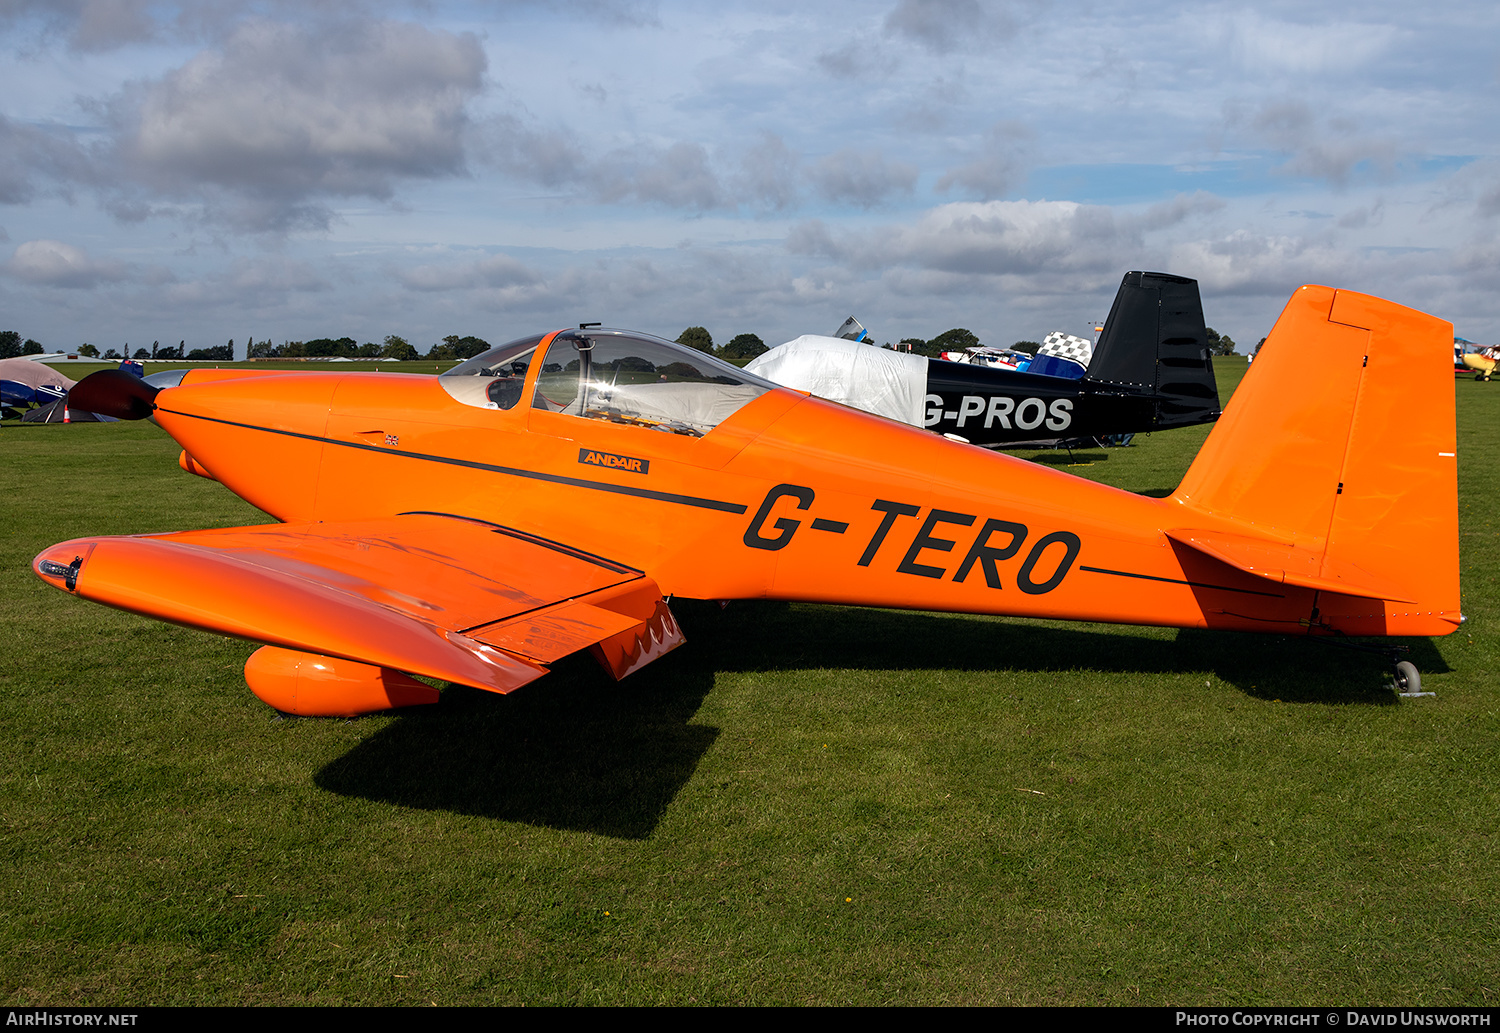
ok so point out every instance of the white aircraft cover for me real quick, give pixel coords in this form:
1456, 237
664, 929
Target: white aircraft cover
32, 374
888, 383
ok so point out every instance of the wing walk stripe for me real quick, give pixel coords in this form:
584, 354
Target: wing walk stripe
532, 539
1175, 581
536, 475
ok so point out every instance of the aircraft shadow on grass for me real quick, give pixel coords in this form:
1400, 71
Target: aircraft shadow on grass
578, 751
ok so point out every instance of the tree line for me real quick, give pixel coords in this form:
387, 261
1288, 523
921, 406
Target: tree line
453, 348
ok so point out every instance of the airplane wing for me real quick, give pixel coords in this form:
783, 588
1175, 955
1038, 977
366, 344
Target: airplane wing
441, 596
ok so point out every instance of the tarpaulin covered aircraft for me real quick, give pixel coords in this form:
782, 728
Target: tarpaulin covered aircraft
24, 383
1151, 370
550, 495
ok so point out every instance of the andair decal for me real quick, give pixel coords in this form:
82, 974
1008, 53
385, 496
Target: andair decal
931, 545
1001, 411
630, 464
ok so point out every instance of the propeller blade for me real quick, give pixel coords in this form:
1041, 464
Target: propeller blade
111, 392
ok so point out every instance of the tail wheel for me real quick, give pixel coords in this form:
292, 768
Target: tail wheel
1408, 678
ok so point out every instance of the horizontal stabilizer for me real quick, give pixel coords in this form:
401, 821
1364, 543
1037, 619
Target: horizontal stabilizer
1288, 564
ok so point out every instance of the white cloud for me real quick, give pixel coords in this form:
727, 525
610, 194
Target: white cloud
51, 263
1179, 209
988, 238
865, 179
1317, 147
943, 174
1269, 44
1245, 262
265, 130
942, 26
999, 166
768, 174
678, 176
492, 271
35, 160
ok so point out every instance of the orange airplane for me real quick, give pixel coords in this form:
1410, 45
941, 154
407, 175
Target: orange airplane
552, 494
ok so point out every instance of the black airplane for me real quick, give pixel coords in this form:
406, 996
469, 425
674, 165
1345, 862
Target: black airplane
1151, 370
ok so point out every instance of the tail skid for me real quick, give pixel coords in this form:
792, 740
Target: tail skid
1334, 467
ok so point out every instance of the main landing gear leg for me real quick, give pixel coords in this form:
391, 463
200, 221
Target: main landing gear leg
1407, 679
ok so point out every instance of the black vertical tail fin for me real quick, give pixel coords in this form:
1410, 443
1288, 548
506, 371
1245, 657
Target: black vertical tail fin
1155, 344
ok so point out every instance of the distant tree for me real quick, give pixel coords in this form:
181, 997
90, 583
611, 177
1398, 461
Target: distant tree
290, 350
154, 346
169, 354
466, 347
1219, 344
263, 350
697, 337
397, 348
932, 349
111, 354
1029, 347
32, 347
219, 353
88, 351
742, 349
10, 344
369, 350
140, 353
955, 340
325, 347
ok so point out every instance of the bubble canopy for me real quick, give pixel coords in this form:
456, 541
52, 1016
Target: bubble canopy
612, 375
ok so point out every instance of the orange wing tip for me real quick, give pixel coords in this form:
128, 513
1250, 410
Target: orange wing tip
324, 686
59, 565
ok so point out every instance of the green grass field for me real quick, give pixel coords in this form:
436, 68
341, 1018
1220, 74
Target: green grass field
804, 805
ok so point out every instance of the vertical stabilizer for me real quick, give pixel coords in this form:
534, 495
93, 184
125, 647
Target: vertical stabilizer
1155, 343
1340, 444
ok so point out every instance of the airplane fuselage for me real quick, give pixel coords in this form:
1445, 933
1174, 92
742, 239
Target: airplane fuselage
790, 498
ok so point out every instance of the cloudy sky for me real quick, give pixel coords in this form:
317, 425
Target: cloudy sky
215, 170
